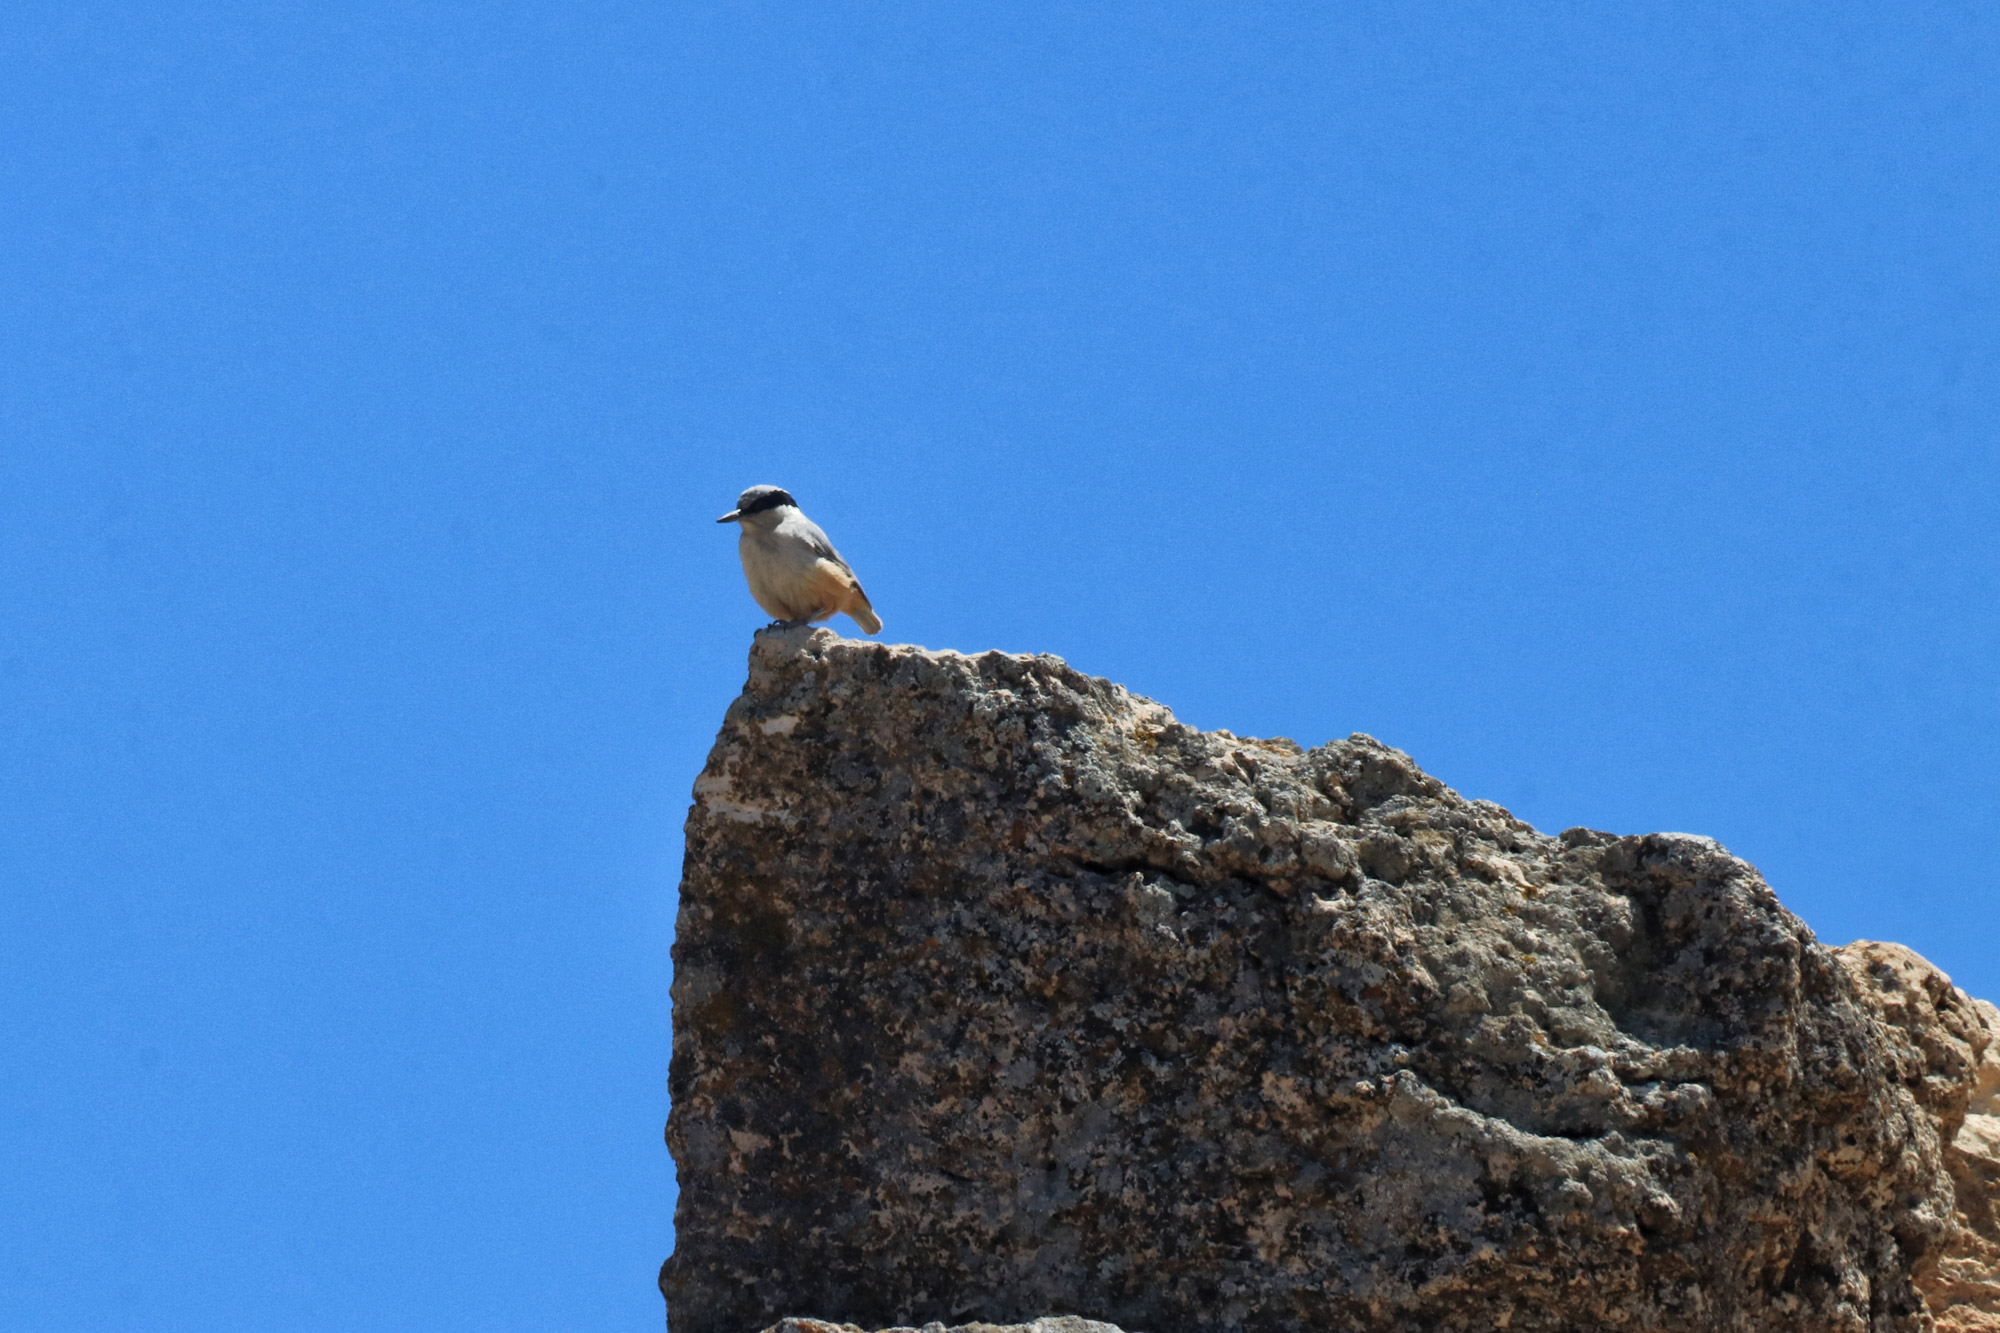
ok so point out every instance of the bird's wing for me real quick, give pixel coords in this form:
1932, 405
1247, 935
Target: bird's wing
816, 539
810, 534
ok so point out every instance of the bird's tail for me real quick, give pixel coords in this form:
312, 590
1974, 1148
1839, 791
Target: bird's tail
864, 614
857, 606
838, 590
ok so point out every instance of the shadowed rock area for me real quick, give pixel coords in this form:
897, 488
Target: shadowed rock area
999, 992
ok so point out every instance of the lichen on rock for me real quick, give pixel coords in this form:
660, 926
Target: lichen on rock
998, 991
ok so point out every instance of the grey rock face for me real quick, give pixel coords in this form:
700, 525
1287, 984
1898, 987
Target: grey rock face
998, 991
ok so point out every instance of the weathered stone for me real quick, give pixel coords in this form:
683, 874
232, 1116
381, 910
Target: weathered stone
1936, 1033
999, 991
1947, 1048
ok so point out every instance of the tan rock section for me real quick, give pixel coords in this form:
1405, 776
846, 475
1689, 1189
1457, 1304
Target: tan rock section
998, 991
1947, 1048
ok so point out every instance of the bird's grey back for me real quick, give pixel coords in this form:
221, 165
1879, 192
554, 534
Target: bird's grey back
797, 527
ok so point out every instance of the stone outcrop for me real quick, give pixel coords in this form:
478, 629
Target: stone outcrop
1964, 1289
1946, 1048
1000, 992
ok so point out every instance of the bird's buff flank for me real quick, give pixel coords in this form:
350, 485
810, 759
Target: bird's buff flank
794, 572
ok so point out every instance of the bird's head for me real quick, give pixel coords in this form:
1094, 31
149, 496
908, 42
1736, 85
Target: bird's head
760, 500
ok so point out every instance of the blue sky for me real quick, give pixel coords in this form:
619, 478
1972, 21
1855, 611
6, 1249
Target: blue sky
1598, 402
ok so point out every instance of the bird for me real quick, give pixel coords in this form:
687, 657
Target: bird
793, 570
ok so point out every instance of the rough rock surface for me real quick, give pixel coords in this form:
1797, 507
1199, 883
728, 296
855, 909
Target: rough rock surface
1947, 1050
998, 991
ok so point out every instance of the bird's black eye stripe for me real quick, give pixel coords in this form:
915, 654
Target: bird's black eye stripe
768, 500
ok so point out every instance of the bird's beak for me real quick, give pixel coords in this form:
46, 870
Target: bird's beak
730, 517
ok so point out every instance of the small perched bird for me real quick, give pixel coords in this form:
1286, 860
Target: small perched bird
794, 572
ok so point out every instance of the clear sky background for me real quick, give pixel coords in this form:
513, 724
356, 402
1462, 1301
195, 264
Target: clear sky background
1597, 401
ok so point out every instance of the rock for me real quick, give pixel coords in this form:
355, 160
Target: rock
999, 991
1936, 1033
1964, 1289
1947, 1046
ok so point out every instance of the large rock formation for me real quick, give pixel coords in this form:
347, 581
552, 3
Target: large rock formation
999, 992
